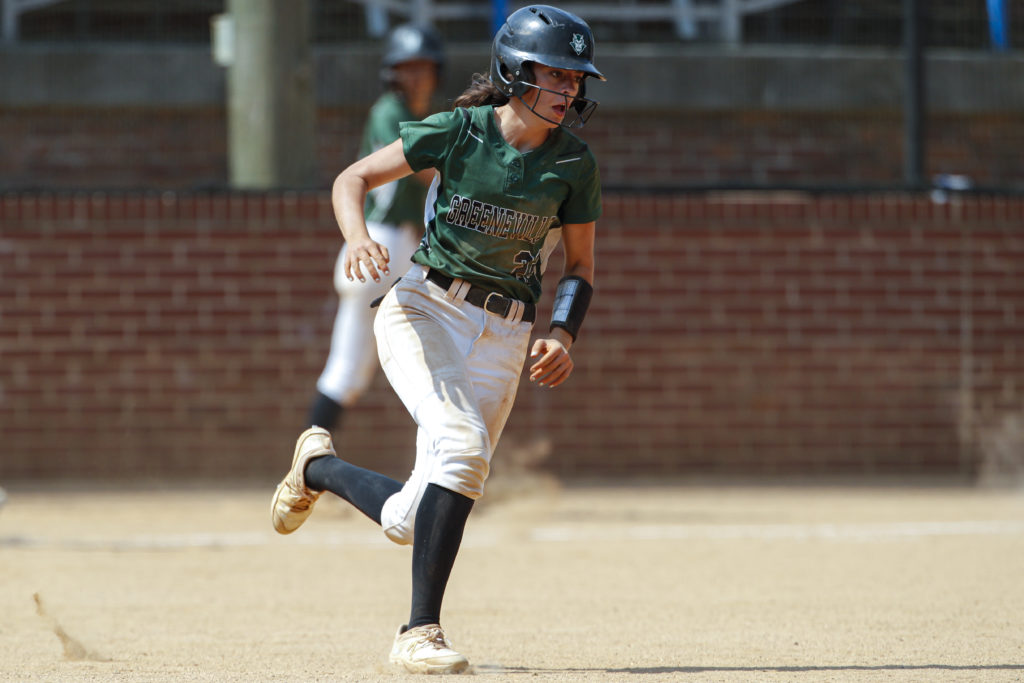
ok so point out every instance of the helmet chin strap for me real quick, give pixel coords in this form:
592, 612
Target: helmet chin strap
582, 107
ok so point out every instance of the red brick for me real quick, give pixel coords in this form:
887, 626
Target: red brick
779, 333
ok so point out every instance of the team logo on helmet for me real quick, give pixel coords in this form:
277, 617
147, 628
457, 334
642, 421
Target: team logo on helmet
578, 43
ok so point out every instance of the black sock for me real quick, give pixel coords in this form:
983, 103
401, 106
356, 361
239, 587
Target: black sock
324, 412
440, 521
365, 489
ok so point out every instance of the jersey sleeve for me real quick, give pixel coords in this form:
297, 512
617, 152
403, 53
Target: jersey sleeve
426, 143
584, 202
383, 126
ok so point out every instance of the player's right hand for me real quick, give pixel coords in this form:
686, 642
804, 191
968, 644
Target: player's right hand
366, 256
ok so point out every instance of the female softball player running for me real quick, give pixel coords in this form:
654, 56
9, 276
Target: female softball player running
413, 58
453, 333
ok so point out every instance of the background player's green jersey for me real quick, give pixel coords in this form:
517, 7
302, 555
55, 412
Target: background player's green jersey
495, 214
401, 201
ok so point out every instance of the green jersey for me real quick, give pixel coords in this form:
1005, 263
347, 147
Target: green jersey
400, 201
495, 214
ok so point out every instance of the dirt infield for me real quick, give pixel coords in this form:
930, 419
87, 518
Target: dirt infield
647, 583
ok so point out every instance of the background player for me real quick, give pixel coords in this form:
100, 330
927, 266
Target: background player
411, 68
453, 333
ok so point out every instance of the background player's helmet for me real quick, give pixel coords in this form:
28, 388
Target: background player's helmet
545, 35
412, 41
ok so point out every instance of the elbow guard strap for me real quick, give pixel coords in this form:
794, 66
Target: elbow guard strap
571, 302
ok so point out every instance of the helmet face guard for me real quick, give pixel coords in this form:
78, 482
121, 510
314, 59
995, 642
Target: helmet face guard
540, 34
578, 106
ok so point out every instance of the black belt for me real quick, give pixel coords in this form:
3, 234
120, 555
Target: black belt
489, 301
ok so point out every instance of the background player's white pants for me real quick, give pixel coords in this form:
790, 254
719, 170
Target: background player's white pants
456, 368
352, 360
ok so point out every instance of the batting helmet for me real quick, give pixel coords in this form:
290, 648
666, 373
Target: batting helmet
544, 35
413, 41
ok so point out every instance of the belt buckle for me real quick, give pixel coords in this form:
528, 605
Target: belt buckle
503, 302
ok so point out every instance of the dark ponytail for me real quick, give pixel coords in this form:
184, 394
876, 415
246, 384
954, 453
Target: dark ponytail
481, 92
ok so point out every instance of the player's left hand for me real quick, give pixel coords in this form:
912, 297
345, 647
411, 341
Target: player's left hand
554, 364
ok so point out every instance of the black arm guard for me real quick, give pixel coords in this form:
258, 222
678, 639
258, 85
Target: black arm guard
571, 302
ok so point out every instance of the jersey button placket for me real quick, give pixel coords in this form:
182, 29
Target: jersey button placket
514, 177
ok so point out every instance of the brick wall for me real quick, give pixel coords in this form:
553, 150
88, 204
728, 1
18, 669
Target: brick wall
179, 335
184, 149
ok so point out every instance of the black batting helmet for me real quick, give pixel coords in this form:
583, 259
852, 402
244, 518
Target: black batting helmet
544, 35
413, 41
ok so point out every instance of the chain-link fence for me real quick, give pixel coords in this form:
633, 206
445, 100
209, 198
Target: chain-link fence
702, 93
862, 23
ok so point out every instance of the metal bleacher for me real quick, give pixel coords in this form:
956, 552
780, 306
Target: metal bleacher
722, 19
715, 20
11, 14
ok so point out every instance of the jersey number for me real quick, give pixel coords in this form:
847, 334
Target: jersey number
525, 269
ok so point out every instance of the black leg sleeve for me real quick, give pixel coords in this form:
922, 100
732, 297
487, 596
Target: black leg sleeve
324, 412
440, 521
365, 489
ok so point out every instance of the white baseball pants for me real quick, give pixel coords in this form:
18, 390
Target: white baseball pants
456, 368
352, 362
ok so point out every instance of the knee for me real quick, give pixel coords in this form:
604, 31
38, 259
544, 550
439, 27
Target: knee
464, 473
398, 519
345, 383
356, 386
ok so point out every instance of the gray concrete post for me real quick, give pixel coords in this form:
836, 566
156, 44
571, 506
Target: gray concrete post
271, 96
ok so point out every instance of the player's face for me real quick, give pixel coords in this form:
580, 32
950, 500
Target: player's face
564, 85
416, 78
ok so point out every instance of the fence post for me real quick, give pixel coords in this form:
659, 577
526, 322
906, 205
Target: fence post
271, 96
997, 25
499, 12
913, 109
